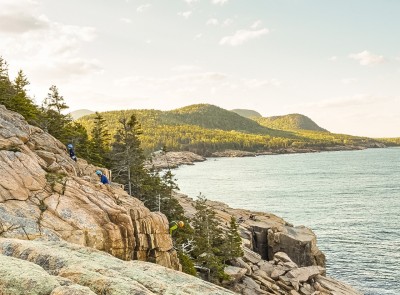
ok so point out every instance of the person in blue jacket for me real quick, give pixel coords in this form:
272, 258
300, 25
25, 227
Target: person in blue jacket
71, 152
103, 178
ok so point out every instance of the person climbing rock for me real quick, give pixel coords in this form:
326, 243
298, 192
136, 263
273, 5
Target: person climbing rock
72, 152
103, 178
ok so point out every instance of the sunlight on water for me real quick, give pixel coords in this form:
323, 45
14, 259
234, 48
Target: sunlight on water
350, 199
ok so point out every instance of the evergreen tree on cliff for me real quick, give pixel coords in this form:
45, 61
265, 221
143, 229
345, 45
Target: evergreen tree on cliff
100, 142
6, 89
13, 94
208, 239
127, 157
51, 119
232, 243
23, 104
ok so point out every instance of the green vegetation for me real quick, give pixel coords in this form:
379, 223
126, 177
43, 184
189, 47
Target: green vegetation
205, 129
289, 122
13, 94
247, 113
390, 141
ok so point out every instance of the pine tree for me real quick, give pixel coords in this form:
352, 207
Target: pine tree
22, 103
127, 156
7, 90
100, 142
54, 101
208, 239
50, 117
232, 243
77, 135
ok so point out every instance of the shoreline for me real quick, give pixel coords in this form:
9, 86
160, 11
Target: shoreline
172, 160
267, 237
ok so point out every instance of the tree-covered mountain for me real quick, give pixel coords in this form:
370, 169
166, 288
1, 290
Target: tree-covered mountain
247, 113
205, 129
213, 117
289, 122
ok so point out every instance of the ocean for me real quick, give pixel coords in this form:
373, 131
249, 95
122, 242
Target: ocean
350, 199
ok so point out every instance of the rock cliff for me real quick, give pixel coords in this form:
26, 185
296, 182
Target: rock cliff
43, 193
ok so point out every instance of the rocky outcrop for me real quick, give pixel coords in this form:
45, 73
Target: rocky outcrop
161, 160
266, 233
233, 153
43, 193
282, 276
61, 268
278, 257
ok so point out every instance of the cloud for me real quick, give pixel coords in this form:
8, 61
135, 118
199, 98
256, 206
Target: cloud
242, 36
185, 68
220, 2
365, 58
349, 80
126, 20
190, 1
215, 22
143, 8
172, 81
64, 69
20, 16
191, 81
227, 22
45, 49
185, 14
212, 22
198, 36
333, 58
256, 24
257, 83
352, 101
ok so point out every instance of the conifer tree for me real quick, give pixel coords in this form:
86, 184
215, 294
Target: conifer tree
232, 243
7, 90
208, 239
54, 101
100, 142
22, 103
51, 119
127, 156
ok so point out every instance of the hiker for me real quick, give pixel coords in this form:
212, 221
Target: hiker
71, 152
103, 178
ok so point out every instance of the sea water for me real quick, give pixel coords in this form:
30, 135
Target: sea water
350, 199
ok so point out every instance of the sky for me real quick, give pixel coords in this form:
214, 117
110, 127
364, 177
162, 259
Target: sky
337, 62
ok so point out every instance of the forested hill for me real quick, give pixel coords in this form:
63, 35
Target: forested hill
289, 122
213, 117
247, 113
205, 129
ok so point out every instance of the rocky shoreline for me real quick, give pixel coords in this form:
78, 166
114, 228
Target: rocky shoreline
279, 258
170, 160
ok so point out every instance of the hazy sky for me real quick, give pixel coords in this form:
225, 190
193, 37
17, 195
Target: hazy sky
336, 61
